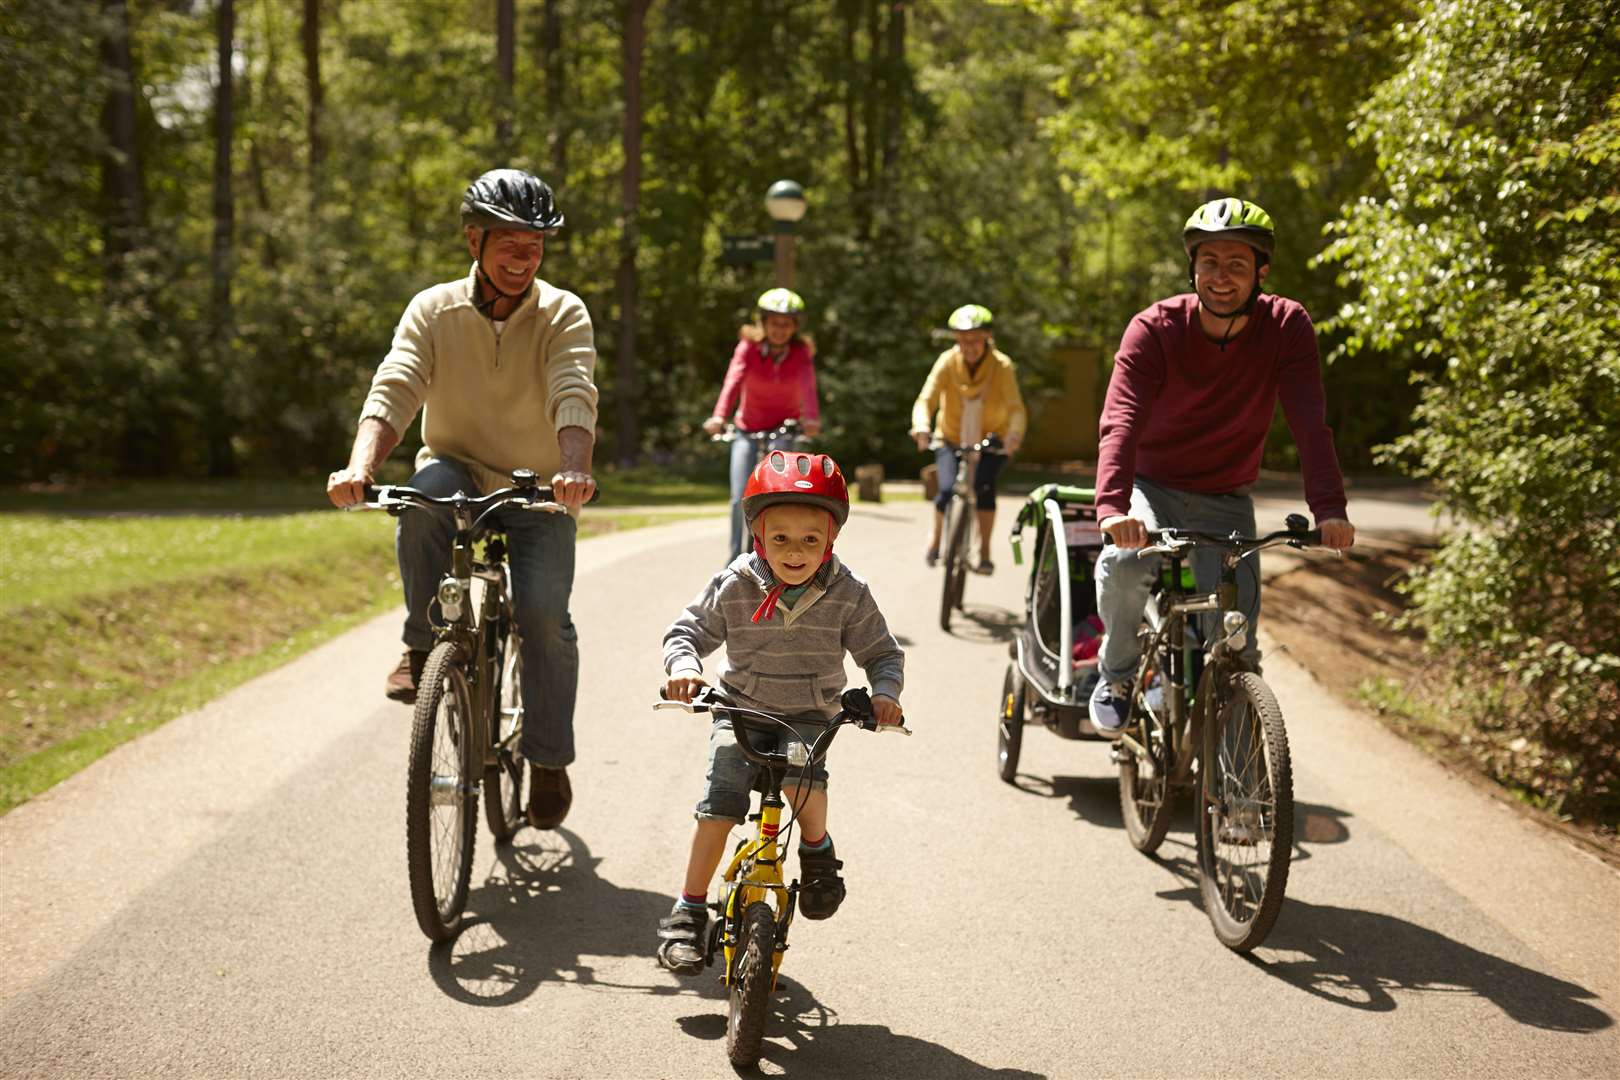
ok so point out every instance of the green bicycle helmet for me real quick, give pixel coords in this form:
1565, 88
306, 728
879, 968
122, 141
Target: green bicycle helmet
1230, 219
781, 302
970, 317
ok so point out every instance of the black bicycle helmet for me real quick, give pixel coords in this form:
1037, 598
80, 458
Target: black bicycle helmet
511, 199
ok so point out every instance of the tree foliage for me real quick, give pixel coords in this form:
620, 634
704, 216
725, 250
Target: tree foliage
1493, 248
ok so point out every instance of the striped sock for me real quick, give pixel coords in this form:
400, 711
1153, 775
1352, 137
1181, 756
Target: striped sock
690, 901
820, 845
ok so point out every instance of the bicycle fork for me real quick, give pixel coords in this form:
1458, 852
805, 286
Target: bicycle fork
754, 875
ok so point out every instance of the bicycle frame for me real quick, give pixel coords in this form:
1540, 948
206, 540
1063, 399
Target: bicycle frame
754, 873
1167, 619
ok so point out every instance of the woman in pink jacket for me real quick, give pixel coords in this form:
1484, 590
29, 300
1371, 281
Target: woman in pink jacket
772, 378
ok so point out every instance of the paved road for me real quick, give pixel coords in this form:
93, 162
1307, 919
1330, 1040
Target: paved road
226, 896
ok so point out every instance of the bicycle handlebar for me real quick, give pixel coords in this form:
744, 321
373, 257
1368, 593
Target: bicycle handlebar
732, 432
990, 444
856, 702
1171, 541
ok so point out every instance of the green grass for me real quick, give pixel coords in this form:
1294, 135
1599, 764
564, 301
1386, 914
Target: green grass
640, 486
112, 625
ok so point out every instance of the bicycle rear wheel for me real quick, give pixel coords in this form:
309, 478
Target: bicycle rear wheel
958, 519
503, 781
1010, 725
751, 985
439, 796
1145, 796
1246, 814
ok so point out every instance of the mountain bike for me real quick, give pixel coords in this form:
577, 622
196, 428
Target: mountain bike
1230, 729
755, 909
469, 701
956, 533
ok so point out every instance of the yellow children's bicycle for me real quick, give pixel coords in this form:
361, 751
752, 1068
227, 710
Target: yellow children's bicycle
755, 906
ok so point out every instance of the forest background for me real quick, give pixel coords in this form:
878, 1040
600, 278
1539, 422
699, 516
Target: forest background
215, 211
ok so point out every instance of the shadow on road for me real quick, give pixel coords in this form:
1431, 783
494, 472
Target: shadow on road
541, 909
803, 1037
986, 623
1095, 800
1363, 959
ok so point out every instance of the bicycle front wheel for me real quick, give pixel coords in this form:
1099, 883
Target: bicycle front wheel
958, 519
503, 781
439, 810
1246, 813
1145, 796
751, 985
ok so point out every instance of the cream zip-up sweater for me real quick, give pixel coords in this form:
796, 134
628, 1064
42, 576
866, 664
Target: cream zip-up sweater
493, 403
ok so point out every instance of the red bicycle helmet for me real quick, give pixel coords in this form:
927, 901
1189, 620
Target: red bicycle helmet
787, 476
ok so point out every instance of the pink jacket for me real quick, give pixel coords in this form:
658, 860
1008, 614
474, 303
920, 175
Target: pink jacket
771, 391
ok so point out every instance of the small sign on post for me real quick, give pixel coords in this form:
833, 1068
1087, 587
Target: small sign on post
742, 250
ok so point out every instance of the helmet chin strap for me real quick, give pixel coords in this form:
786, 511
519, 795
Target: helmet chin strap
486, 308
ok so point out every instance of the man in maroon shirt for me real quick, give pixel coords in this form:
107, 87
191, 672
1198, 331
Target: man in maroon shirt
1195, 383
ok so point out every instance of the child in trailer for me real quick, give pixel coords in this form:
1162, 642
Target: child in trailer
786, 612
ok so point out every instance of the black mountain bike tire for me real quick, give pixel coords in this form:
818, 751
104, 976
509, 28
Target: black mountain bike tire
750, 995
1242, 923
957, 521
1145, 803
438, 915
1010, 723
503, 782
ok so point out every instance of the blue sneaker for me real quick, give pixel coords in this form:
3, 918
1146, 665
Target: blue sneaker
1109, 704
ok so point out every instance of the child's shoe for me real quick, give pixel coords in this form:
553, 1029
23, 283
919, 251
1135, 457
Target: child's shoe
682, 934
822, 890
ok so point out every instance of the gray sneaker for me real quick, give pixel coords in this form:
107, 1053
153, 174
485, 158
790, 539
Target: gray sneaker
1109, 703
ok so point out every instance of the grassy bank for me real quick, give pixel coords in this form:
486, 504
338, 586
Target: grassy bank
110, 626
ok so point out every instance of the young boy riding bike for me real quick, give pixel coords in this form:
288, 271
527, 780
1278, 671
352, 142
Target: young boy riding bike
786, 612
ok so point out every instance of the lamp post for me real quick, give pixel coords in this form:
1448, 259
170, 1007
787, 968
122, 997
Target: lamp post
785, 203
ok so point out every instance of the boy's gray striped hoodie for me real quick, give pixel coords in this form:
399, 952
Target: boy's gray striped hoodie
793, 661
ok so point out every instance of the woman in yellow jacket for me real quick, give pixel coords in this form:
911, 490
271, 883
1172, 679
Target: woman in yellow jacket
973, 389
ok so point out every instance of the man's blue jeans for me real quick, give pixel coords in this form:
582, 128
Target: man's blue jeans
1124, 578
540, 552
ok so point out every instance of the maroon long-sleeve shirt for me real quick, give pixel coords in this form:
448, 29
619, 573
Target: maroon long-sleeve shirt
1186, 414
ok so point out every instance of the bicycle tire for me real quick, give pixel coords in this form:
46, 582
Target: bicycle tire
439, 776
503, 781
751, 982
1146, 798
1237, 789
957, 520
1010, 724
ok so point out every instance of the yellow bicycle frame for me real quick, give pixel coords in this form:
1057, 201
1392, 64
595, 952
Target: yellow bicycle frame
755, 873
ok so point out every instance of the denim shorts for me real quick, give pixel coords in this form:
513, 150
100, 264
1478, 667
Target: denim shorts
731, 775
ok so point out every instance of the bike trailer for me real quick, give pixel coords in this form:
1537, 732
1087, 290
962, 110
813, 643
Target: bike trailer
1055, 649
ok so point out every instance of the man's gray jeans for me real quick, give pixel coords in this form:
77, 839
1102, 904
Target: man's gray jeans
1125, 578
540, 552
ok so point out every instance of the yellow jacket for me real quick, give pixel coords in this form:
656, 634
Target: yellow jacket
949, 384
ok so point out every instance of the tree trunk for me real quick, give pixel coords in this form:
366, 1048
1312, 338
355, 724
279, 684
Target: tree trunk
122, 183
312, 85
895, 84
551, 60
627, 378
506, 70
855, 172
216, 425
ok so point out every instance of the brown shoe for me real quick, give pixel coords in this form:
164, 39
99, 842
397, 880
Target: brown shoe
401, 684
550, 796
